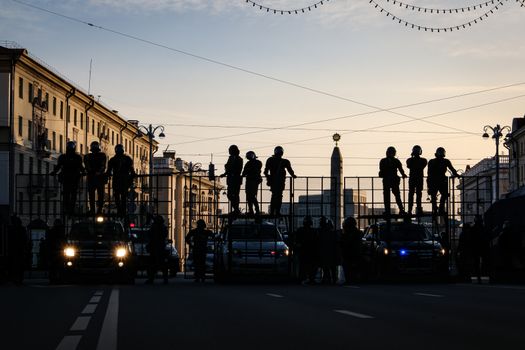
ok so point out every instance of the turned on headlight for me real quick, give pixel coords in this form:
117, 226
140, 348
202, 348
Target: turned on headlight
69, 252
121, 252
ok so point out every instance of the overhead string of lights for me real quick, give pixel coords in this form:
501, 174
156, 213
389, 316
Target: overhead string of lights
289, 11
433, 10
464, 25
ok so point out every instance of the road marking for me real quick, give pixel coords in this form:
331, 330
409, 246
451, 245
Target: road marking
81, 323
89, 309
70, 342
352, 287
95, 299
353, 314
429, 295
108, 334
275, 295
99, 292
490, 286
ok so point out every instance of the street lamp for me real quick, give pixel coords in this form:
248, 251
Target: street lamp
497, 134
150, 131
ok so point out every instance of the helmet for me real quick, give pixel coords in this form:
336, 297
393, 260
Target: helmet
440, 152
391, 152
119, 149
71, 146
251, 155
416, 150
278, 151
234, 150
94, 146
201, 224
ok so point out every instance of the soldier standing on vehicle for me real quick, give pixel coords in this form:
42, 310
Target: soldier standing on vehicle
120, 166
437, 180
19, 250
232, 171
252, 172
416, 164
198, 242
158, 235
56, 239
388, 168
69, 169
351, 249
275, 172
307, 240
95, 164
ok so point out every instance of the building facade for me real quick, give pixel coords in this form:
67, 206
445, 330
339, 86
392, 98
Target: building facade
40, 111
516, 145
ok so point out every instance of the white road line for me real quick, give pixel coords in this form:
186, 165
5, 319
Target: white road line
95, 299
81, 323
108, 334
99, 292
70, 342
353, 314
89, 309
275, 295
429, 295
352, 287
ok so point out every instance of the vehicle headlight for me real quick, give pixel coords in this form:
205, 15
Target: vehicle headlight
121, 252
100, 219
385, 251
443, 251
286, 252
69, 252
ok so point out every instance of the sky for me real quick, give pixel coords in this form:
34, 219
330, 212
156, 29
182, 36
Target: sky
292, 80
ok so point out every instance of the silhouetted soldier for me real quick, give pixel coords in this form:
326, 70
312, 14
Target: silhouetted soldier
307, 239
120, 166
437, 180
19, 250
56, 239
464, 253
252, 172
158, 235
232, 171
351, 249
69, 169
416, 164
275, 172
388, 168
95, 164
328, 251
480, 247
198, 242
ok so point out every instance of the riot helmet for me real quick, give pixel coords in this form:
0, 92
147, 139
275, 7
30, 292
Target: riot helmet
119, 149
71, 146
251, 155
349, 222
417, 151
391, 151
234, 150
201, 224
440, 152
278, 151
94, 147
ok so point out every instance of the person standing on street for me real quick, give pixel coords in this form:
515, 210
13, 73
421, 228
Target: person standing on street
56, 239
232, 171
70, 170
437, 181
19, 250
198, 242
120, 166
95, 164
307, 241
328, 250
416, 164
351, 249
275, 172
252, 172
388, 168
158, 235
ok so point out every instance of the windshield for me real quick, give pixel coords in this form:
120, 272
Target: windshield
407, 232
96, 231
254, 231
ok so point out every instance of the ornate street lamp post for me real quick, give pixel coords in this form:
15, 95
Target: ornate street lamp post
497, 134
150, 131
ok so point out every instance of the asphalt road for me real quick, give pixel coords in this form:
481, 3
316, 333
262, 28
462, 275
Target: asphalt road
261, 315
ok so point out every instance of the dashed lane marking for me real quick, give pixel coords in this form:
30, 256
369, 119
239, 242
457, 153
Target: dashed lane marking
89, 309
354, 314
108, 334
275, 295
429, 295
95, 299
70, 342
81, 323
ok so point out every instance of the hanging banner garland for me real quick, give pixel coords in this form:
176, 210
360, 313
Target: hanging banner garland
438, 29
443, 10
289, 11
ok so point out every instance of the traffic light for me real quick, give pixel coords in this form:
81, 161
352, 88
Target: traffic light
211, 172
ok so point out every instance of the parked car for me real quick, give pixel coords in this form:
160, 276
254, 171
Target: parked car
405, 249
140, 239
251, 247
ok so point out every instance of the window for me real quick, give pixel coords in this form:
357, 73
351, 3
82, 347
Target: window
54, 141
20, 203
68, 114
30, 130
98, 129
61, 144
30, 92
81, 149
39, 95
30, 165
82, 121
61, 109
75, 117
47, 101
117, 138
20, 126
112, 137
21, 163
21, 87
92, 126
54, 106
39, 166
